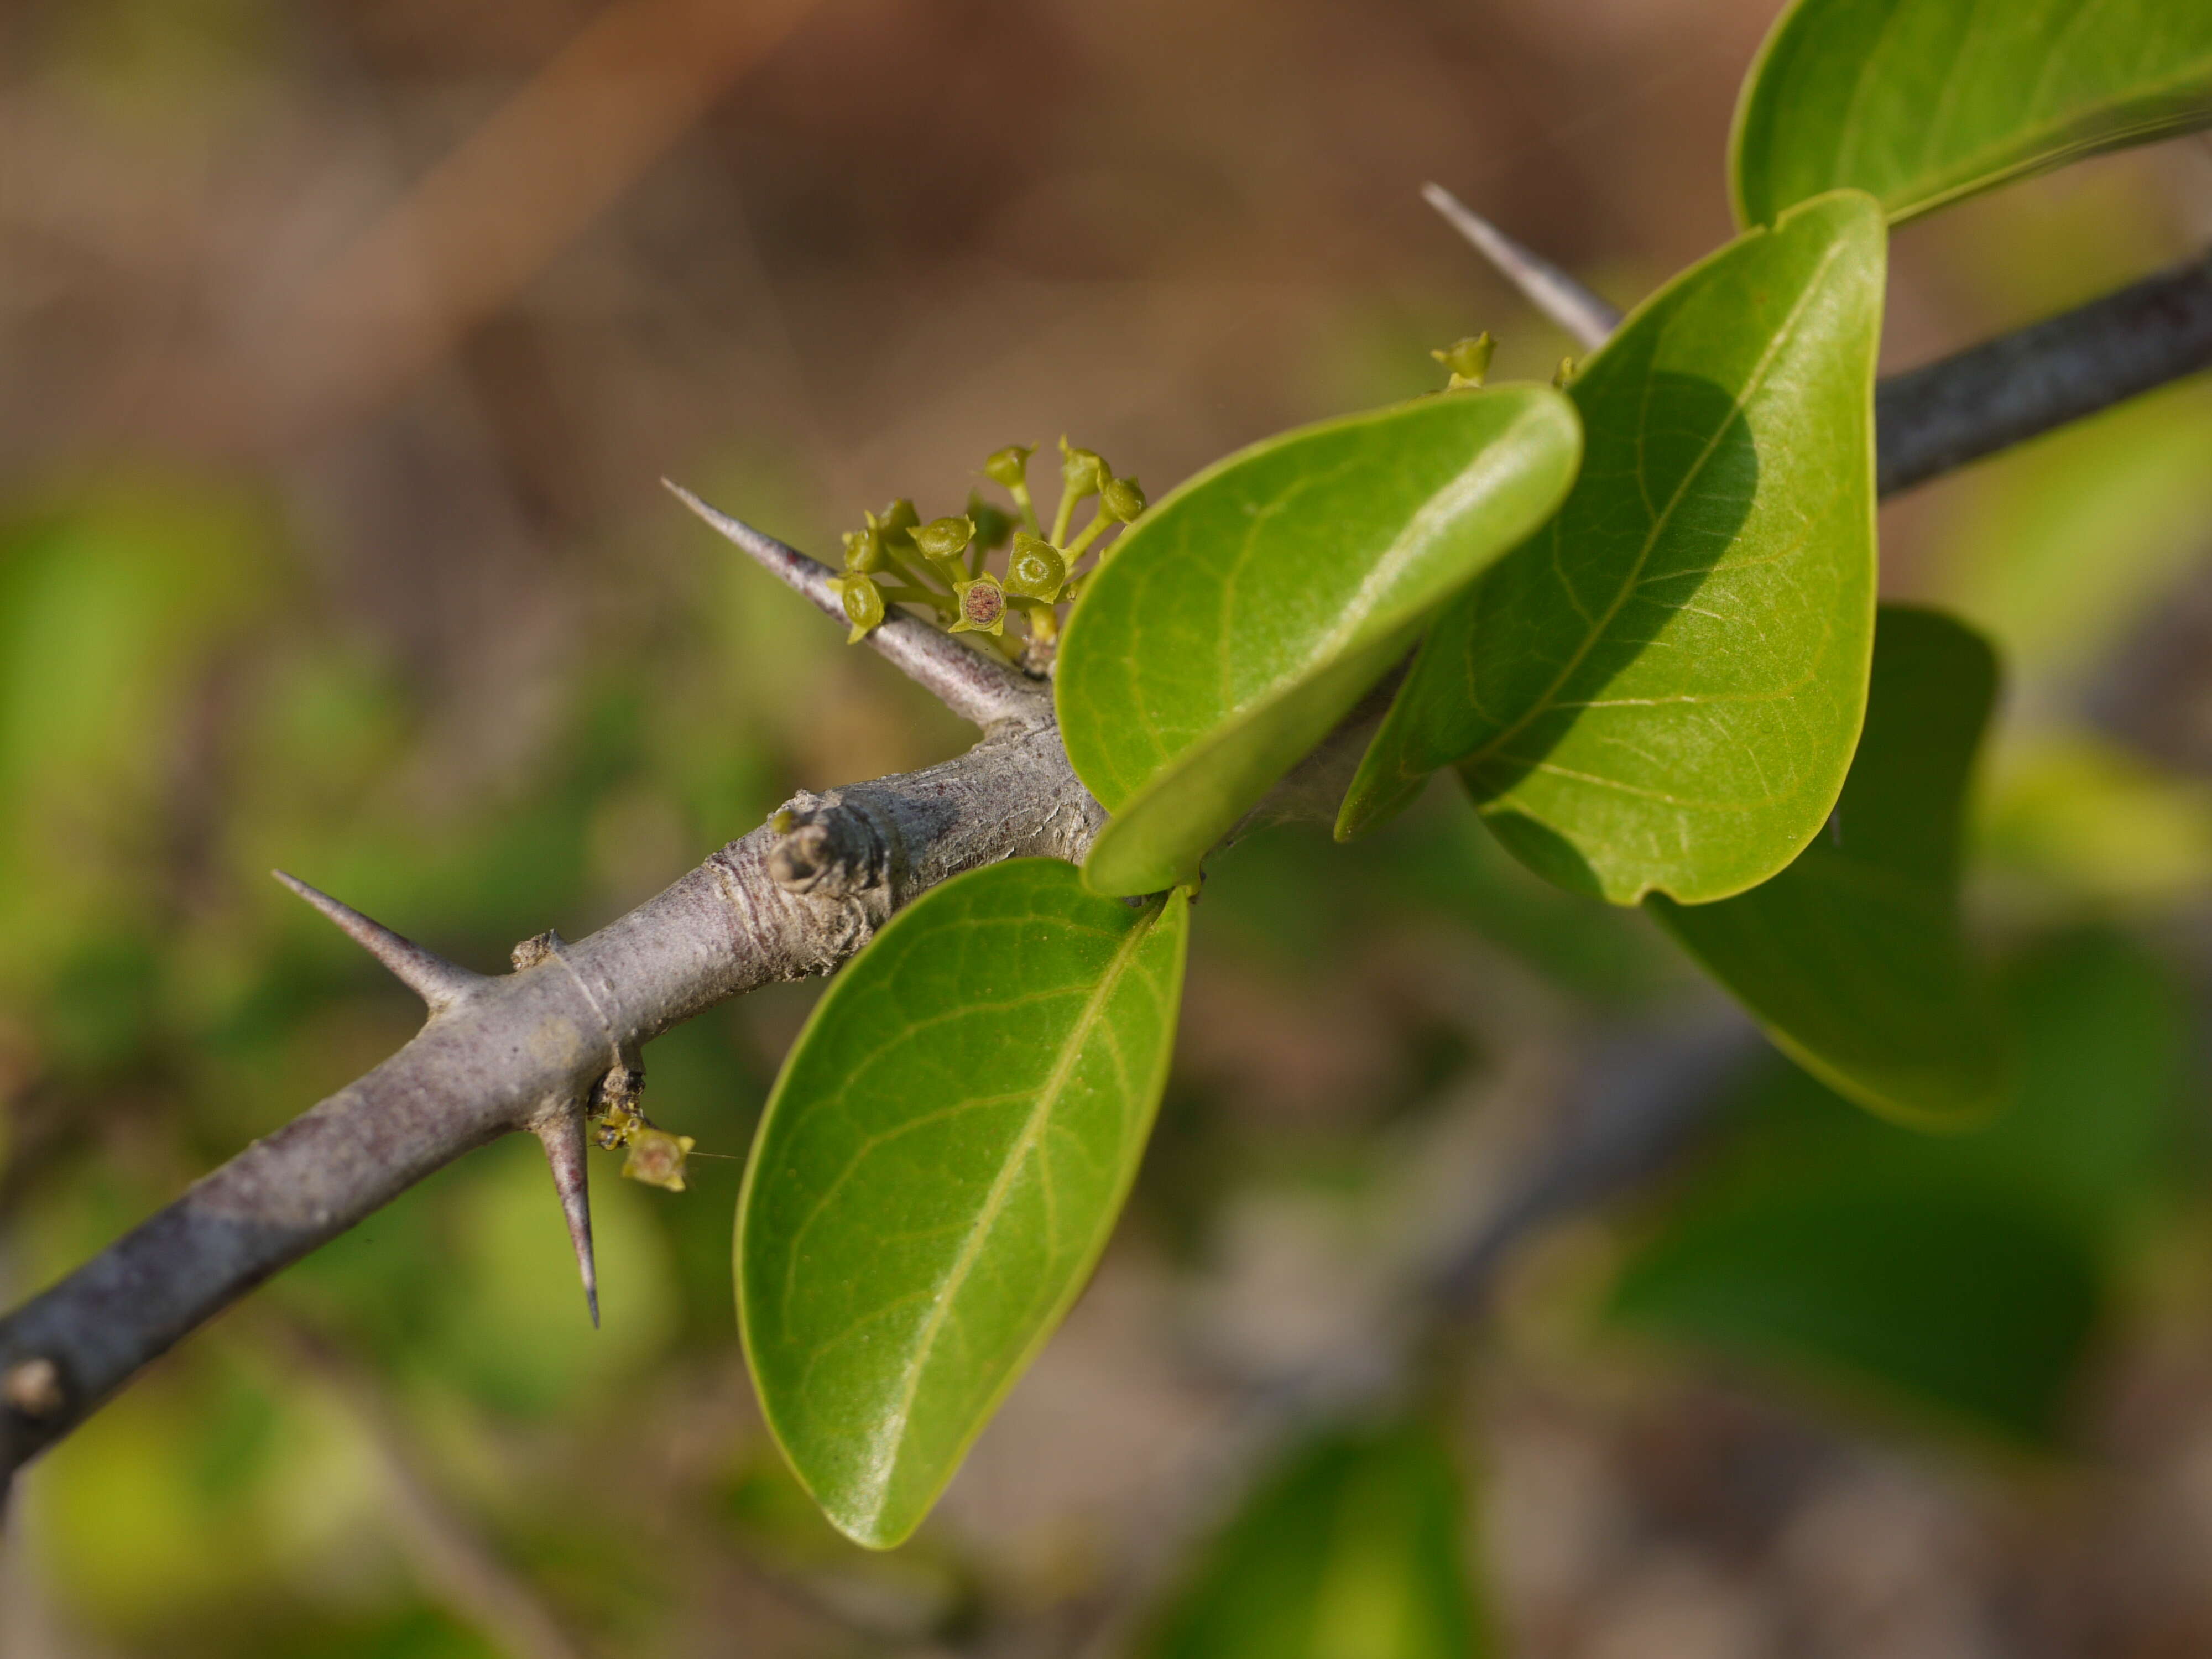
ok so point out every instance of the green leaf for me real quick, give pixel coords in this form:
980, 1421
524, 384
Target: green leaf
1853, 958
1963, 1275
2106, 1037
1353, 1547
1950, 1297
1662, 689
1242, 617
940, 1164
1920, 102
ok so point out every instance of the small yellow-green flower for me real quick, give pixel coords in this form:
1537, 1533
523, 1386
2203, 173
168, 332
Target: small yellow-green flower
1081, 470
943, 539
983, 606
1010, 467
656, 1157
863, 601
1037, 569
1121, 500
895, 526
864, 549
1467, 359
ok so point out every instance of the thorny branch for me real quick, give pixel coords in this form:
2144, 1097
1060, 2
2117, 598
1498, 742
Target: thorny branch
532, 1049
529, 1049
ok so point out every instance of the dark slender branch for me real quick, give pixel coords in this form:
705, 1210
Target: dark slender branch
1934, 420
526, 1050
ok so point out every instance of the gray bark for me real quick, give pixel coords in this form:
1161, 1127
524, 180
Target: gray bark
527, 1050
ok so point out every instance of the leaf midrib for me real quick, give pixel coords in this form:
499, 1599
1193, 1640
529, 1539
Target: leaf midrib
1546, 701
994, 1201
1356, 623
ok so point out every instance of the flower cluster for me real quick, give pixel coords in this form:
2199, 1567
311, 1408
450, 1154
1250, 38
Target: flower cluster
943, 565
656, 1157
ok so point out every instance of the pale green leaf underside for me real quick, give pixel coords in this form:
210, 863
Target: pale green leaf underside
1920, 102
1661, 690
1853, 958
940, 1164
1353, 1547
1247, 613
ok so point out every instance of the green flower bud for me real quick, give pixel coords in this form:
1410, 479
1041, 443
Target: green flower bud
944, 539
991, 526
896, 524
1467, 359
1081, 470
1122, 499
863, 549
983, 606
1036, 570
1010, 467
863, 601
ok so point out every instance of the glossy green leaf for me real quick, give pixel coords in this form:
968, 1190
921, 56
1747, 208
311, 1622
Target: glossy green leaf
1853, 958
1920, 102
1351, 1548
1662, 689
1247, 613
940, 1164
1962, 1275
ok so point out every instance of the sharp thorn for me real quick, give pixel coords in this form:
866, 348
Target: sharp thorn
987, 690
563, 1140
1583, 314
439, 983
736, 530
809, 576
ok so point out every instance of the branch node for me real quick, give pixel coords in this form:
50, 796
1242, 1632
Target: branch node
1587, 316
538, 947
827, 848
439, 984
562, 1134
33, 1388
615, 1096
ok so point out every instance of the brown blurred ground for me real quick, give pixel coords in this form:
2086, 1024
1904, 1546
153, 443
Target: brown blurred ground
443, 291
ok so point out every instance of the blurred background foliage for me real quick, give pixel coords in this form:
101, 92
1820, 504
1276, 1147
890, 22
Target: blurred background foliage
344, 343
